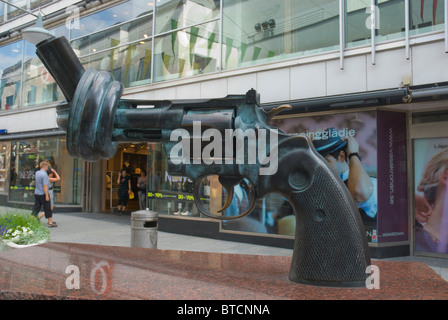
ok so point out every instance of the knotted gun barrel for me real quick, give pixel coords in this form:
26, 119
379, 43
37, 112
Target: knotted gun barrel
330, 246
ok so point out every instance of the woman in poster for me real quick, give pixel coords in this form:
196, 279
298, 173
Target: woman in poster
431, 233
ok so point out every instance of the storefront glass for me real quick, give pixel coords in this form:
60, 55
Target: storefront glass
26, 156
173, 195
262, 31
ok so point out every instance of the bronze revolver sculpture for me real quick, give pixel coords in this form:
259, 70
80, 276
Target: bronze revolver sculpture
330, 246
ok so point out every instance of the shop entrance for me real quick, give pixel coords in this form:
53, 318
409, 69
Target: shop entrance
132, 157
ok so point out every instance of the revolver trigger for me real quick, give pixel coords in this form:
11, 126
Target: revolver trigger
228, 182
229, 197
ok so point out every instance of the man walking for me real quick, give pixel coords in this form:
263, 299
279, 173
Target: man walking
42, 195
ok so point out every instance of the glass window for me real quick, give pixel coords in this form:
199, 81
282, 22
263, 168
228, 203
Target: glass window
3, 161
13, 11
187, 52
10, 71
127, 33
357, 28
38, 85
116, 15
25, 159
37, 4
2, 12
10, 92
131, 64
389, 21
426, 16
176, 14
277, 29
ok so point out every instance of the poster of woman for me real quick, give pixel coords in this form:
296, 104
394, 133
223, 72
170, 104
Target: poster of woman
431, 194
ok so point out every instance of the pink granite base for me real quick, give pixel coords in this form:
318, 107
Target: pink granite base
53, 271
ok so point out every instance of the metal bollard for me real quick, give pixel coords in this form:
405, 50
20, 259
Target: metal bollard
144, 229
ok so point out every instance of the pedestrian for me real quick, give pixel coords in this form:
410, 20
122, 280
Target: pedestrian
42, 195
124, 181
141, 185
53, 176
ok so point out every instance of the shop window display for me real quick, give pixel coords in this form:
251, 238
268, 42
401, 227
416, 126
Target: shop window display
173, 195
25, 158
3, 160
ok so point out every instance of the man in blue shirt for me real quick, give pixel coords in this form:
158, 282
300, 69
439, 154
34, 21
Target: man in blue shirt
41, 194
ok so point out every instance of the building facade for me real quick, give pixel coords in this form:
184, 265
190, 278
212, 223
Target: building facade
375, 70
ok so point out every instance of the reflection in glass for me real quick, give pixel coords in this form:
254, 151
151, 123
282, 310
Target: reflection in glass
116, 15
426, 16
177, 14
187, 52
357, 32
38, 85
15, 12
11, 59
277, 29
131, 64
37, 4
389, 21
126, 33
10, 92
2, 12
26, 156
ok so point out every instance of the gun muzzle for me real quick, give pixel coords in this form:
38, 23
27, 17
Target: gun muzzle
61, 61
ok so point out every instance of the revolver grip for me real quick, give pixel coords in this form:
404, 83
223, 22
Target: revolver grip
330, 246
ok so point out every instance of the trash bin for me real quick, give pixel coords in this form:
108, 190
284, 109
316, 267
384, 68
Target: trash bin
144, 229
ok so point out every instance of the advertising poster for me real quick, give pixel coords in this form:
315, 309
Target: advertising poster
338, 136
392, 177
431, 195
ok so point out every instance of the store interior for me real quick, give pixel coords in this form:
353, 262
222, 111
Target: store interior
133, 157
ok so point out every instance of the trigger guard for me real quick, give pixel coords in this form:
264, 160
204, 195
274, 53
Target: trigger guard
196, 185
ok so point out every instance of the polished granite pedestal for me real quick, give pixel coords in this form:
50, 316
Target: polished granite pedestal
80, 271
